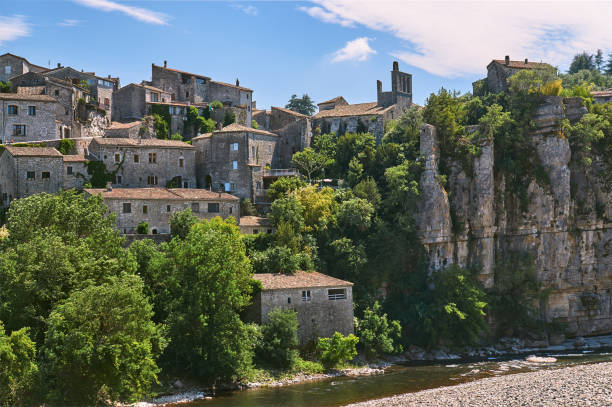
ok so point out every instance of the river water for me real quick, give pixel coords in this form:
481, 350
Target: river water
396, 380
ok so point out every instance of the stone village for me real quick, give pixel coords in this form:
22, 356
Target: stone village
154, 177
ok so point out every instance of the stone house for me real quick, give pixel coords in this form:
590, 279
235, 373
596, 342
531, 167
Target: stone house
100, 88
124, 130
155, 206
324, 304
602, 96
26, 118
75, 171
200, 90
25, 171
147, 162
236, 159
338, 116
130, 102
13, 65
252, 225
498, 72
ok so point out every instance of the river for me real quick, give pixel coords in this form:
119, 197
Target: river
396, 380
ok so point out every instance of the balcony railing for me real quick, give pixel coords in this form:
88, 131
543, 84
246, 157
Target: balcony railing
280, 172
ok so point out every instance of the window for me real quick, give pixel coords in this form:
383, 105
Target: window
19, 130
181, 162
258, 185
235, 146
31, 175
231, 210
127, 207
136, 158
227, 186
56, 92
168, 208
46, 175
306, 295
195, 207
12, 110
255, 231
117, 179
154, 97
232, 186
336, 294
117, 157
213, 207
253, 151
152, 158
234, 165
186, 94
106, 102
152, 180
145, 209
7, 70
269, 231
288, 300
69, 170
185, 184
32, 110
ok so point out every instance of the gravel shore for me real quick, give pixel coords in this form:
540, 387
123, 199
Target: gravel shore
585, 385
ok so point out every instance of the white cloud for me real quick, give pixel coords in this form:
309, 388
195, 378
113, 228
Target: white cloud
319, 13
12, 28
69, 23
459, 38
356, 50
142, 14
250, 10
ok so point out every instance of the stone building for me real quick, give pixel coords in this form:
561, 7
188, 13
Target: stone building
498, 72
124, 130
324, 304
338, 116
13, 65
75, 171
236, 159
147, 162
602, 96
200, 90
100, 88
252, 225
155, 206
25, 171
130, 102
26, 118
293, 129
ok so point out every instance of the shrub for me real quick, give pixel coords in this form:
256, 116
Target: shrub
66, 146
228, 118
216, 104
276, 260
247, 208
142, 228
176, 136
283, 186
278, 346
337, 350
376, 335
254, 124
181, 223
17, 366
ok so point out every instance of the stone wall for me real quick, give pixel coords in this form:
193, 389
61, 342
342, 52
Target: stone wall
39, 127
319, 317
75, 174
129, 103
15, 183
568, 233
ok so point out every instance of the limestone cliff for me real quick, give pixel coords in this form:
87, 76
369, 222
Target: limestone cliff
567, 224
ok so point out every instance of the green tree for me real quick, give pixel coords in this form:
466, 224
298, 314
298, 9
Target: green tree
176, 136
205, 125
309, 162
598, 59
276, 260
582, 61
254, 124
288, 210
376, 334
247, 208
161, 126
278, 346
66, 146
228, 118
355, 215
283, 186
181, 223
337, 350
303, 105
368, 190
18, 369
142, 228
407, 129
213, 274
6, 87
608, 67
101, 342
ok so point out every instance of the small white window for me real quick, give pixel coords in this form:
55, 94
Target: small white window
235, 146
235, 165
7, 70
306, 295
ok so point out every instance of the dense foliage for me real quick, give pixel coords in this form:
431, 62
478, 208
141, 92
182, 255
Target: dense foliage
304, 105
279, 340
337, 350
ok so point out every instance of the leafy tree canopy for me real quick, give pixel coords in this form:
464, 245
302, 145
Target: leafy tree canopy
303, 105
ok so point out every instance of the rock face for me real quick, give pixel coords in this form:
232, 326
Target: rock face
567, 225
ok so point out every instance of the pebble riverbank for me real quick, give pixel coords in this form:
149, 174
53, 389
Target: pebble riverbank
585, 385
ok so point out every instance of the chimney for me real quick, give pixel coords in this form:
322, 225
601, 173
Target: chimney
237, 82
526, 61
59, 65
165, 63
507, 59
109, 186
395, 66
108, 76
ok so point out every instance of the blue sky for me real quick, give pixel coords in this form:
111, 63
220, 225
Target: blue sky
325, 48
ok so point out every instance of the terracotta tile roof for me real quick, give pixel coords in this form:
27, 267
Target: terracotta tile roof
522, 64
334, 100
254, 221
602, 93
232, 86
25, 96
235, 128
74, 158
186, 73
130, 142
33, 151
288, 111
360, 109
119, 125
300, 279
175, 194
